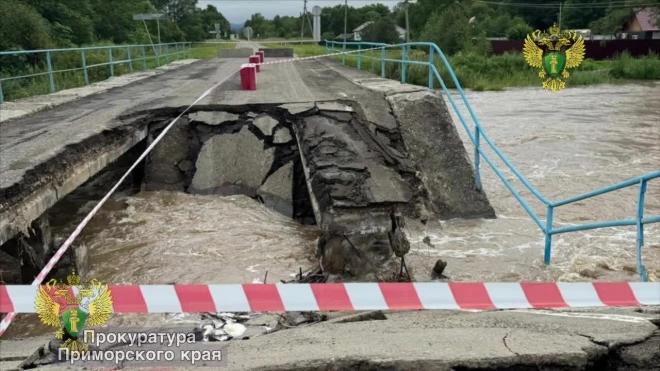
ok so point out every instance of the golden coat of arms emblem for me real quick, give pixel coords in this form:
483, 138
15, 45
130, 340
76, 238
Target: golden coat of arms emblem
554, 52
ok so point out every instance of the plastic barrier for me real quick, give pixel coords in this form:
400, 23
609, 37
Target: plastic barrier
249, 76
255, 60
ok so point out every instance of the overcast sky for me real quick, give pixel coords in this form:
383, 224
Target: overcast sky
238, 11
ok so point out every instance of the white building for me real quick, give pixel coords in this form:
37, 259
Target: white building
360, 30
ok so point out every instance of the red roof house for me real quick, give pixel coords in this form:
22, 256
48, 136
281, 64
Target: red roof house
644, 25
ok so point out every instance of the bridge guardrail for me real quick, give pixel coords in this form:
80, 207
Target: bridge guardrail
44, 60
546, 227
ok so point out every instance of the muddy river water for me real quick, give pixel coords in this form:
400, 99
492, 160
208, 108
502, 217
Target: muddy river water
565, 143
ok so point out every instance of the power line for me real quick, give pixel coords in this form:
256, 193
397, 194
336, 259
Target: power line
318, 1
601, 5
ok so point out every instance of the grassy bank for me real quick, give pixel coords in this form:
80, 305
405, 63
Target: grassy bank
497, 72
97, 62
208, 51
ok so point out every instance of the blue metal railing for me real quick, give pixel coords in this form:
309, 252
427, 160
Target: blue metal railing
547, 227
141, 56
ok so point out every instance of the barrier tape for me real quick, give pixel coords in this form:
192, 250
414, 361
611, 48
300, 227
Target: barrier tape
357, 296
324, 55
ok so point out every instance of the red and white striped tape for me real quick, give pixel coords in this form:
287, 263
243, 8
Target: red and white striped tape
356, 296
324, 55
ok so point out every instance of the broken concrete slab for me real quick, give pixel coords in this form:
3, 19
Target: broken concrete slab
277, 191
298, 108
386, 185
10, 365
339, 116
282, 136
213, 118
334, 106
162, 171
231, 164
437, 151
353, 187
21, 350
325, 141
266, 124
390, 87
186, 165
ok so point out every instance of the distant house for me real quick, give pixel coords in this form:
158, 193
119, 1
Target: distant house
643, 25
357, 33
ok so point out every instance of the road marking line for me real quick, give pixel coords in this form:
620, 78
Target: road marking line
609, 317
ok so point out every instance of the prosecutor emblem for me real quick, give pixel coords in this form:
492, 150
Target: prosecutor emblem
73, 306
554, 52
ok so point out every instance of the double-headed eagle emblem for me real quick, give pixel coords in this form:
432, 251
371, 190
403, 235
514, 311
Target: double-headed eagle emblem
563, 50
73, 306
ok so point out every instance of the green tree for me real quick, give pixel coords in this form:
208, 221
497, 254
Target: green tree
383, 31
115, 23
518, 29
258, 23
210, 16
576, 18
71, 20
22, 27
539, 17
176, 9
448, 29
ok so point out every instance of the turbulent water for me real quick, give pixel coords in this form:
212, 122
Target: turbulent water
565, 144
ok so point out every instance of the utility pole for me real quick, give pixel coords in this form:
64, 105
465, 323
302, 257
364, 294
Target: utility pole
345, 18
160, 47
407, 24
302, 23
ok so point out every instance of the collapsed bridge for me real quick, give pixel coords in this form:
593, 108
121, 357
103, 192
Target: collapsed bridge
313, 144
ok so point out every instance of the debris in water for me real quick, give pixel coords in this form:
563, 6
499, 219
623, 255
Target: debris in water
316, 275
439, 267
222, 326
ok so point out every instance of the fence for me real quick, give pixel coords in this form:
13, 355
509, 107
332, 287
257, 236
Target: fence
90, 61
479, 134
595, 49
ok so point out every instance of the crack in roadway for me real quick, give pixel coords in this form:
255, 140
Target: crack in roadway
591, 338
507, 346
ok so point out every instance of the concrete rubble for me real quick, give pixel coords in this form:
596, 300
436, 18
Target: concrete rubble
282, 136
277, 191
163, 170
230, 164
440, 155
298, 108
266, 124
213, 118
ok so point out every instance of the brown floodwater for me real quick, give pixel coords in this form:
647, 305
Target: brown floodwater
565, 143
